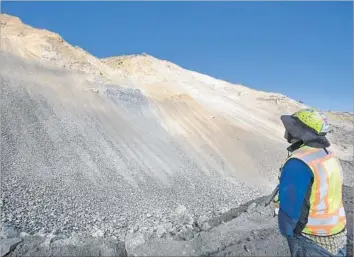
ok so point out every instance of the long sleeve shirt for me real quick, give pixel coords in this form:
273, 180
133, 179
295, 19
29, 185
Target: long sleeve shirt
294, 184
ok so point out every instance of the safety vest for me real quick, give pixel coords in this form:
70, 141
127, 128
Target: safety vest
326, 215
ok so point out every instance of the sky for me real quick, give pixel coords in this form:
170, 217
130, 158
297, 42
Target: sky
301, 49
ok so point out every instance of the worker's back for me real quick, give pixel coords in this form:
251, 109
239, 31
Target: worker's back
326, 214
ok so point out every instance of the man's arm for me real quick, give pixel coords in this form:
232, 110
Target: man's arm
293, 187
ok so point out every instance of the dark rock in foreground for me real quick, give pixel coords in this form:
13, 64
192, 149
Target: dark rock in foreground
73, 246
9, 244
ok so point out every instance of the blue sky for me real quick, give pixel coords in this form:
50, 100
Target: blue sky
301, 49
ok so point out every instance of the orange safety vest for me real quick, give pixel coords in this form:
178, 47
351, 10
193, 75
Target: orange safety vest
326, 215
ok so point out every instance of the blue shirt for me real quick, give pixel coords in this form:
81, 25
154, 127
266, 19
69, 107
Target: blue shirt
294, 182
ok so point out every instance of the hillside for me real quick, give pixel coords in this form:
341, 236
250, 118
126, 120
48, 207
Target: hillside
135, 148
50, 48
253, 110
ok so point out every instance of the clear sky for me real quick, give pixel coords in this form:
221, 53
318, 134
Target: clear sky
301, 49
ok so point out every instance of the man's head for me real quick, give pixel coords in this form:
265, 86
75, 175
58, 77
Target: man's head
307, 125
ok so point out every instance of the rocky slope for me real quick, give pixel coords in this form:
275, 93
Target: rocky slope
252, 110
132, 148
51, 49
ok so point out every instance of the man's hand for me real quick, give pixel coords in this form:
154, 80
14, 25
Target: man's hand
276, 211
276, 203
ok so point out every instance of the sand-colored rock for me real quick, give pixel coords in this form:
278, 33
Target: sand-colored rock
224, 106
50, 49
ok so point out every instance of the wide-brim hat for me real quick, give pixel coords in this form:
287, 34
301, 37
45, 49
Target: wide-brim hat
300, 131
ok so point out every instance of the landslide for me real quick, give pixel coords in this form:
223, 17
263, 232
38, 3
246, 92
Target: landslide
136, 150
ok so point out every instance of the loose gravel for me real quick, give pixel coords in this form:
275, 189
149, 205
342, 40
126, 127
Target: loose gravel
93, 159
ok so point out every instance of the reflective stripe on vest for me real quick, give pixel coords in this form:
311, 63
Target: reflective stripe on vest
326, 215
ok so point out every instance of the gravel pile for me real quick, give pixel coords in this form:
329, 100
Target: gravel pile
99, 163
96, 161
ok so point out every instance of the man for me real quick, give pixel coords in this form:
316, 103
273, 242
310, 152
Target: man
311, 214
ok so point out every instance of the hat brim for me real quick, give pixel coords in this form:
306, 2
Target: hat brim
299, 131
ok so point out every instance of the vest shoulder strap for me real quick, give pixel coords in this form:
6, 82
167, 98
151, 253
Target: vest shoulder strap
308, 154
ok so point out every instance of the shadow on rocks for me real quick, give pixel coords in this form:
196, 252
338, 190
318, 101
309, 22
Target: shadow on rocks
254, 205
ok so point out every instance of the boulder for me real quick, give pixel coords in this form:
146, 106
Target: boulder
134, 241
73, 246
8, 244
